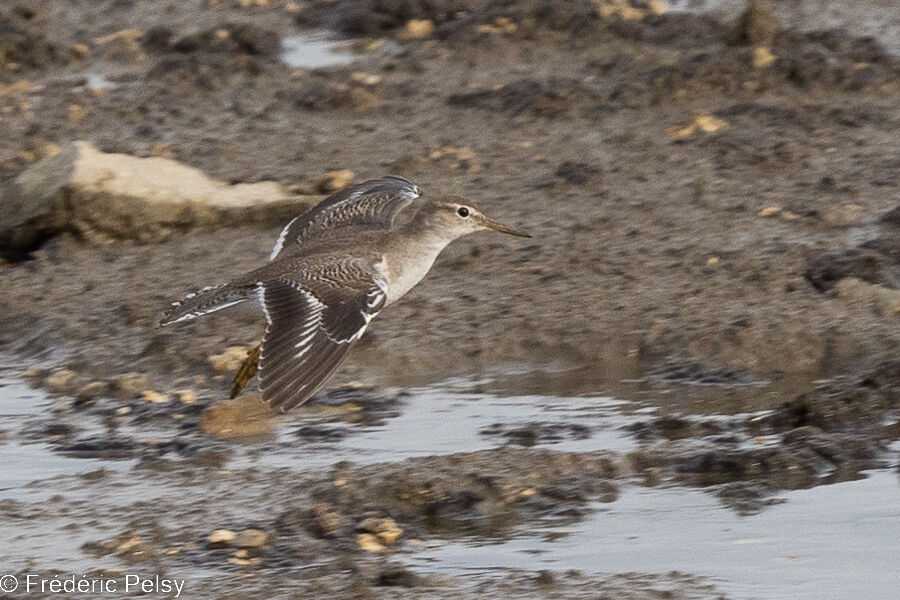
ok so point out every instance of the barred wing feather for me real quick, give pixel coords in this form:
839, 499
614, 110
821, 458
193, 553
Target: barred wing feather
311, 327
370, 204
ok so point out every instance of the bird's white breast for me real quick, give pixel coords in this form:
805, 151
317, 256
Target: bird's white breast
404, 272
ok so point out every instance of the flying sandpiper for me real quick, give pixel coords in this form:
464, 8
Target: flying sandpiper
333, 269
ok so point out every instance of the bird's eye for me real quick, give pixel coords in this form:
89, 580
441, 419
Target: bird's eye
463, 212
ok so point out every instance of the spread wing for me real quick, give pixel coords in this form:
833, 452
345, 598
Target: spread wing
373, 203
312, 321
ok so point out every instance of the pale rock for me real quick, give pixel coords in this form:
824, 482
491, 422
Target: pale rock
122, 46
127, 545
335, 181
385, 530
130, 385
369, 543
416, 29
75, 112
93, 389
105, 197
61, 381
365, 78
186, 396
32, 372
79, 51
657, 7
619, 8
701, 123
39, 149
221, 537
251, 538
762, 57
154, 397
229, 360
500, 26
327, 521
247, 415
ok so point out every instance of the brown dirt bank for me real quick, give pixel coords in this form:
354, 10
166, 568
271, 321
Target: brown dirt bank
648, 240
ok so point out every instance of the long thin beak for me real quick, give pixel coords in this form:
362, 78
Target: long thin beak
497, 226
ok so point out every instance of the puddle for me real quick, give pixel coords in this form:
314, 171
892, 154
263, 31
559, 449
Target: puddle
827, 543
99, 81
445, 421
28, 466
429, 421
865, 18
316, 50
621, 380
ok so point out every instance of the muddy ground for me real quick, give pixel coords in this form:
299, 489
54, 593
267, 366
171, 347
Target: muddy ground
711, 204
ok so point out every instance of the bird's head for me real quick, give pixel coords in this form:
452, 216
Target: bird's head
457, 216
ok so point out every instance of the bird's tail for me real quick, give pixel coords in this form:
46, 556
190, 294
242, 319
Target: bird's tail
207, 300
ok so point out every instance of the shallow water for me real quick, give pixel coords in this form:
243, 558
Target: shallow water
830, 542
27, 465
834, 541
314, 50
99, 81
437, 421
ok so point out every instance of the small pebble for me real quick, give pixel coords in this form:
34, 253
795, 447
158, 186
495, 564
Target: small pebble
32, 372
251, 538
365, 78
335, 181
221, 537
229, 361
762, 57
385, 530
186, 396
369, 543
416, 29
61, 381
154, 397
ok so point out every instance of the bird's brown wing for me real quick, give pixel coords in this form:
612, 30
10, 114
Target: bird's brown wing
312, 321
372, 204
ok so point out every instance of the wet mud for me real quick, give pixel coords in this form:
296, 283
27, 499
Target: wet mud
714, 207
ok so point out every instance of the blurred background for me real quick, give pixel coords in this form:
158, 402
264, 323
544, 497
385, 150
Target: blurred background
685, 385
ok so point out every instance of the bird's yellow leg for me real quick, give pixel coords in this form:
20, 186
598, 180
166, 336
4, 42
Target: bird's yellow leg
246, 372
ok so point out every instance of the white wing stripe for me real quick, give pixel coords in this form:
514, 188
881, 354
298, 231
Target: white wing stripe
305, 340
260, 294
200, 313
304, 351
374, 299
279, 244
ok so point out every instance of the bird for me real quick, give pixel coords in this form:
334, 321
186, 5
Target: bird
332, 270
